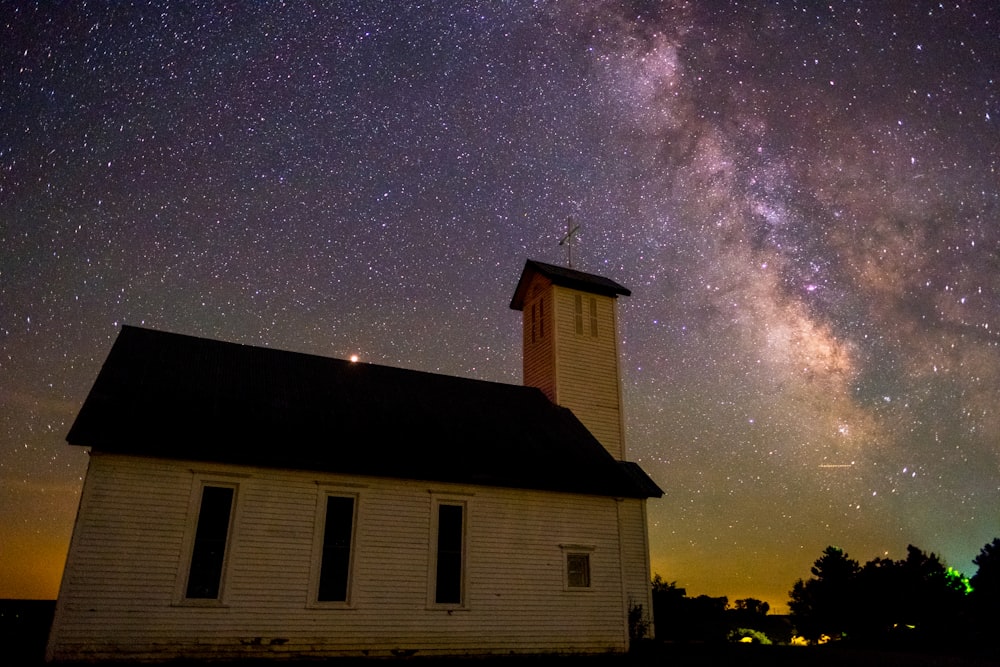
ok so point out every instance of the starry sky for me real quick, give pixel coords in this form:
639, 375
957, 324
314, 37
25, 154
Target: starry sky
802, 197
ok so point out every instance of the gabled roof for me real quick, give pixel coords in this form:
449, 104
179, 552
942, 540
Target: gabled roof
181, 397
560, 275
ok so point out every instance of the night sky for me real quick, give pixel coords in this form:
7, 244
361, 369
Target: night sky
802, 197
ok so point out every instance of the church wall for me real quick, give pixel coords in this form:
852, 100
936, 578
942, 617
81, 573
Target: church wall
635, 556
122, 596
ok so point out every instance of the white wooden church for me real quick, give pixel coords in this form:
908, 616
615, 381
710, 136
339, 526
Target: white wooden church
245, 502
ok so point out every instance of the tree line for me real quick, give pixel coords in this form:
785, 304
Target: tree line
917, 601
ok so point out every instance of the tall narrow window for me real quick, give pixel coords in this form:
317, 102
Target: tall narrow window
578, 303
450, 539
534, 317
335, 563
211, 536
593, 316
334, 547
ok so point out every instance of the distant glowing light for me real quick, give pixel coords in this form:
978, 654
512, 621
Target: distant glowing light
958, 581
354, 358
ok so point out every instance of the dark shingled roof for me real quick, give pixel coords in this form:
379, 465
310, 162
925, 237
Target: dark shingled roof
180, 397
560, 275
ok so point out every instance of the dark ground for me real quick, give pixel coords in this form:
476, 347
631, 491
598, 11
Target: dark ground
24, 626
24, 629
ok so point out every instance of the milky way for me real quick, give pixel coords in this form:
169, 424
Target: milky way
802, 197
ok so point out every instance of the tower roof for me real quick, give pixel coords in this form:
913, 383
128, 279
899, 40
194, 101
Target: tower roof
565, 277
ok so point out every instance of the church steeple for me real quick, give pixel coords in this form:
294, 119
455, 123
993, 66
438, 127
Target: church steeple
570, 345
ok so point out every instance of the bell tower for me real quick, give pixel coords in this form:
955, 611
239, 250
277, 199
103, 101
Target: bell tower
570, 345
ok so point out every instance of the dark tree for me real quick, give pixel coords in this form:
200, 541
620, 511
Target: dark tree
825, 604
915, 601
881, 589
986, 580
752, 607
668, 608
932, 598
680, 618
748, 618
985, 596
706, 619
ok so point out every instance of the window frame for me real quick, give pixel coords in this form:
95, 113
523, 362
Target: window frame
195, 504
437, 502
319, 542
570, 551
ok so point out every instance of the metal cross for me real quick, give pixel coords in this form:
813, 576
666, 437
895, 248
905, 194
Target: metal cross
568, 240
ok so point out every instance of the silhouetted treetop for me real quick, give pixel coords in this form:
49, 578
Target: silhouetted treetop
986, 580
918, 599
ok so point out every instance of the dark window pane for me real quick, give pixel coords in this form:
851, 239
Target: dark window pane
449, 555
578, 570
336, 563
208, 555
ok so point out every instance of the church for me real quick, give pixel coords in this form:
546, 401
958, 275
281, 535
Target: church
245, 502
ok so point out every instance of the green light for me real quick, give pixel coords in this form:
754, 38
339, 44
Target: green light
958, 581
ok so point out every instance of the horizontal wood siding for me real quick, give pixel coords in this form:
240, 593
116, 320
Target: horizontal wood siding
539, 351
120, 598
635, 555
587, 367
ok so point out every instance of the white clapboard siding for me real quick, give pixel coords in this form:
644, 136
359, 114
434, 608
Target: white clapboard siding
587, 367
635, 555
121, 597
